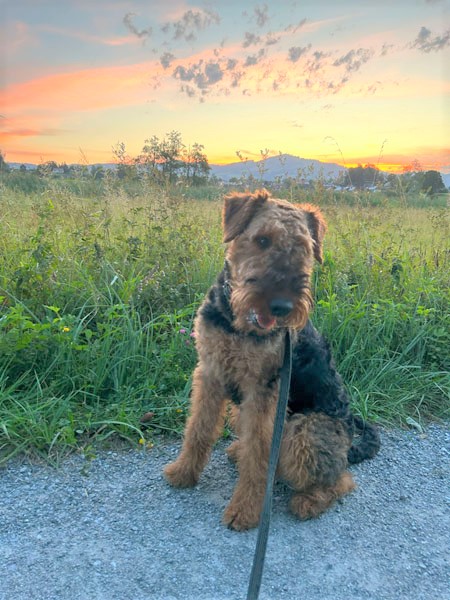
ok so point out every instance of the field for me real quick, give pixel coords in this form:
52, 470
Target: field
98, 294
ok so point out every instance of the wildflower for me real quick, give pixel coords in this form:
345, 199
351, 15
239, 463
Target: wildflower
179, 410
192, 334
141, 441
66, 329
182, 331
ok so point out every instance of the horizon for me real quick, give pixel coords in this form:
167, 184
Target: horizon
234, 162
349, 84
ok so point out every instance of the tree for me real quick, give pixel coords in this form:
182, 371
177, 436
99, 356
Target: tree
166, 159
97, 172
363, 177
196, 166
125, 167
4, 168
432, 183
46, 169
171, 148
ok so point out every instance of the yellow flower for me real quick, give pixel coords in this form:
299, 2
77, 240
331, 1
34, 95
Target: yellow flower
66, 329
141, 441
179, 410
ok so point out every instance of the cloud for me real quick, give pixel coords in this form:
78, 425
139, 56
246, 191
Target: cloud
424, 41
166, 59
250, 39
188, 90
317, 62
28, 132
374, 87
202, 74
87, 89
271, 39
190, 23
295, 52
281, 81
295, 28
354, 59
213, 73
132, 28
386, 49
236, 79
261, 15
254, 59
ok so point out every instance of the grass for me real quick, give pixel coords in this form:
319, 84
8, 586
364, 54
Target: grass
98, 295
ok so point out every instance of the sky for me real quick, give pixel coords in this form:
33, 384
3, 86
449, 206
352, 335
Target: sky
351, 82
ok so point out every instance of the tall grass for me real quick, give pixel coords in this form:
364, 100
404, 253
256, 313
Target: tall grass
97, 298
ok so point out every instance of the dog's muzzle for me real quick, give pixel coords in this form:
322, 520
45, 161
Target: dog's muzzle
280, 307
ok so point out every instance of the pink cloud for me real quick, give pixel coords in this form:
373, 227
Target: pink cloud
87, 89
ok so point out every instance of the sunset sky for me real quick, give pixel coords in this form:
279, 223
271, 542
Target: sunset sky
353, 81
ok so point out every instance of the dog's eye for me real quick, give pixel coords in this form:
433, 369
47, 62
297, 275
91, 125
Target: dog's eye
263, 241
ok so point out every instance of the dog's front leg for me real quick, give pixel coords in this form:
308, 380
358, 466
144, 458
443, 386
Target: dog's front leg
202, 429
255, 429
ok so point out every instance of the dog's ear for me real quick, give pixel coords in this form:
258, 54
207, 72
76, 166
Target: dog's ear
239, 210
317, 227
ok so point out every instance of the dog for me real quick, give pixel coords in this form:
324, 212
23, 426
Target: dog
263, 290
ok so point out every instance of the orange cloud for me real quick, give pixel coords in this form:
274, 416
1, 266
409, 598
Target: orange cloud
429, 158
87, 89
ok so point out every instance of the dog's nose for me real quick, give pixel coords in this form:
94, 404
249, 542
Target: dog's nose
279, 307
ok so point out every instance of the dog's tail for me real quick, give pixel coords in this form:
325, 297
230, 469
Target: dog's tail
366, 440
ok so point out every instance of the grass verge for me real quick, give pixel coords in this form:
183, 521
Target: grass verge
97, 299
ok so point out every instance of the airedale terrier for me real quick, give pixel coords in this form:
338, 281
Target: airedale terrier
264, 289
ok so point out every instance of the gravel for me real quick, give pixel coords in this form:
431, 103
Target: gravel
112, 529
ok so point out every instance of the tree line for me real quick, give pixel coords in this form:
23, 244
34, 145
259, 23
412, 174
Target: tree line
413, 179
170, 160
165, 160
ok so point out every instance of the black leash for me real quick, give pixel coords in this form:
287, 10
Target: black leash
264, 521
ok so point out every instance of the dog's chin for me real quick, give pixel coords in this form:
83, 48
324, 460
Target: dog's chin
255, 323
261, 321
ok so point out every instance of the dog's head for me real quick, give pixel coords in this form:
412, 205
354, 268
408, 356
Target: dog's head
272, 245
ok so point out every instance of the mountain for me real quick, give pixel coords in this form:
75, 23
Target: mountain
284, 165
446, 179
16, 165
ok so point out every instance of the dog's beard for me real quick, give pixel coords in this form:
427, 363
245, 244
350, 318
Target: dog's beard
298, 317
252, 312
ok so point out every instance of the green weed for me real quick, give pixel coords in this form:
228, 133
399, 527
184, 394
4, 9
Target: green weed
98, 295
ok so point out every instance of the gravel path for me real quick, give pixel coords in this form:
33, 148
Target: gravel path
112, 529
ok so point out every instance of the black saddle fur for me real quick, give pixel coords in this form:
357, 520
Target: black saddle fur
315, 386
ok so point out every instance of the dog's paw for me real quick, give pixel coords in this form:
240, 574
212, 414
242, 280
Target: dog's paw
178, 476
305, 507
238, 518
233, 450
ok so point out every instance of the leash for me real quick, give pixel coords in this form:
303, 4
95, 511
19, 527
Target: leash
264, 521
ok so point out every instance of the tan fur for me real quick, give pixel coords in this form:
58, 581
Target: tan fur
314, 448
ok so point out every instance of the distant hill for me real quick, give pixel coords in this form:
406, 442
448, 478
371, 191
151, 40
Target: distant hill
28, 166
446, 179
282, 166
